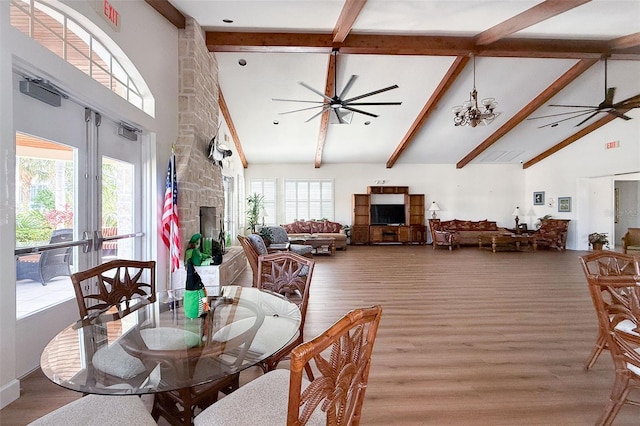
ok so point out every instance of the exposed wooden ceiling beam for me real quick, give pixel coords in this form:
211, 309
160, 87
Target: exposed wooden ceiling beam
268, 42
538, 13
167, 10
573, 73
348, 16
412, 45
625, 42
571, 139
324, 121
450, 77
232, 128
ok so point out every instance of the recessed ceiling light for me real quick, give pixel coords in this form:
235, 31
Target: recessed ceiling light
242, 62
228, 21
276, 122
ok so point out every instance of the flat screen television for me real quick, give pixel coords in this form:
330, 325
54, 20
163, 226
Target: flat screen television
386, 214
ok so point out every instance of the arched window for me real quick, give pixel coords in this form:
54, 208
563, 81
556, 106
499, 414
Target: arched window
73, 42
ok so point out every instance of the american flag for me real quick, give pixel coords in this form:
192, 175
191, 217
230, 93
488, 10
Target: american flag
170, 231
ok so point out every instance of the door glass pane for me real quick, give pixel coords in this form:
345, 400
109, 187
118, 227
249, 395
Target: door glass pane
45, 213
117, 208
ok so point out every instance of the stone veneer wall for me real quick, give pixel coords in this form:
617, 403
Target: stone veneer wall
199, 180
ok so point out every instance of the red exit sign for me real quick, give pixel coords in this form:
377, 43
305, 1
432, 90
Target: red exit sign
612, 144
109, 13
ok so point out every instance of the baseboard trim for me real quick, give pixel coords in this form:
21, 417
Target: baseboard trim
9, 393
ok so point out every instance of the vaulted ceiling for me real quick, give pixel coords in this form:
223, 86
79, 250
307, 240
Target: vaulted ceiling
528, 55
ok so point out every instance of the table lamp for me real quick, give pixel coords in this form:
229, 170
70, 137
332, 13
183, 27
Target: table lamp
515, 213
433, 208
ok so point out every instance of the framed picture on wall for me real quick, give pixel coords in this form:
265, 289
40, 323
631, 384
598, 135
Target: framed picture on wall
538, 198
564, 204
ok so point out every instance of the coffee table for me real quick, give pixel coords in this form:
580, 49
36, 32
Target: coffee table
321, 245
507, 242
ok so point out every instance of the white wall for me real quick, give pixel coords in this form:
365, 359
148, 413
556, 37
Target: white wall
584, 171
154, 52
475, 192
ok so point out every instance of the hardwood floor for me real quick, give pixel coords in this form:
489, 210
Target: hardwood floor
467, 337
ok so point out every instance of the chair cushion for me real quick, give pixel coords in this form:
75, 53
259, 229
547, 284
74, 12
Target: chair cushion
278, 235
99, 410
262, 401
300, 249
113, 360
258, 243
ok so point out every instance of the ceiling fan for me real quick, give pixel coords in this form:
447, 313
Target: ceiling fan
338, 104
617, 109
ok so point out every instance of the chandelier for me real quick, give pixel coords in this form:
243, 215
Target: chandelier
469, 114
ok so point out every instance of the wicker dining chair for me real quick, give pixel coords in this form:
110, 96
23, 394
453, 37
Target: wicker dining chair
617, 301
112, 283
288, 274
252, 256
605, 263
334, 396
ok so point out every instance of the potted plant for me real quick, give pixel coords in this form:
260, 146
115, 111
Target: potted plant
216, 253
598, 240
255, 203
265, 233
542, 219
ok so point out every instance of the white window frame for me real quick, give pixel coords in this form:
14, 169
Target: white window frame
298, 201
268, 189
120, 73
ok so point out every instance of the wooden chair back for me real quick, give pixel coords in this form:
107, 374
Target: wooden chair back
617, 300
604, 263
631, 240
342, 356
114, 283
252, 256
288, 274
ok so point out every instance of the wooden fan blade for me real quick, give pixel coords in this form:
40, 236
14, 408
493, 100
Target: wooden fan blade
352, 80
374, 103
306, 86
564, 113
297, 100
301, 109
588, 118
359, 111
326, 108
619, 114
575, 106
631, 102
375, 92
555, 123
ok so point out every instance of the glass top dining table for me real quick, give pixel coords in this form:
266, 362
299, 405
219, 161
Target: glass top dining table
152, 347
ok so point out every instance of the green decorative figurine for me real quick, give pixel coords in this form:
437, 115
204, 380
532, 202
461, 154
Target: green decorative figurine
194, 254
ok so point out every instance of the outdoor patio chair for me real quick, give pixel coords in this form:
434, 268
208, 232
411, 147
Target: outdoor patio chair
42, 267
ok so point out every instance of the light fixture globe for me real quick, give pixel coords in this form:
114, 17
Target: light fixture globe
470, 114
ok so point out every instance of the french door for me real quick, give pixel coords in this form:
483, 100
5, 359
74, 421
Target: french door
74, 171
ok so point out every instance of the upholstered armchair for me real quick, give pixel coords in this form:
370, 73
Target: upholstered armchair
443, 237
280, 238
631, 241
553, 233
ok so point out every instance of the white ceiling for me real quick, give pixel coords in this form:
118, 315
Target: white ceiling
513, 81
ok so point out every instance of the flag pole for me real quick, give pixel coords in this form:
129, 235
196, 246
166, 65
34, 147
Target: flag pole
171, 228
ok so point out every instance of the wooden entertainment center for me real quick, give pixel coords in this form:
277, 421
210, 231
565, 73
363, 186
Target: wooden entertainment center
411, 231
